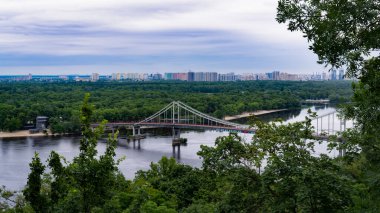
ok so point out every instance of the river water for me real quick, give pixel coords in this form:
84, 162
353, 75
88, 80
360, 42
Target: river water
16, 154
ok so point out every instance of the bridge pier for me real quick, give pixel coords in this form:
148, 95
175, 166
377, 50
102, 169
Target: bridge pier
138, 144
178, 150
176, 133
138, 135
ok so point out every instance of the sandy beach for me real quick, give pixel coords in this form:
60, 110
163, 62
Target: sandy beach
21, 134
247, 114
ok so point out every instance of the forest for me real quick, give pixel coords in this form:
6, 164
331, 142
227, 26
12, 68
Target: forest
21, 102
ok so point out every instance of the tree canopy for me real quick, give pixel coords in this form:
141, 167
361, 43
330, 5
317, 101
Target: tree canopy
346, 33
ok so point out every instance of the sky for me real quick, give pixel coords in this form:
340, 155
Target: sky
107, 36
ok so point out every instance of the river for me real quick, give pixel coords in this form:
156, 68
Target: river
16, 154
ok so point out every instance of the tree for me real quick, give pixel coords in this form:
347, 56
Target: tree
94, 178
83, 185
32, 191
12, 124
347, 34
341, 33
293, 179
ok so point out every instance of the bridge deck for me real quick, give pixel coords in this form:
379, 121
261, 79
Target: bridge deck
243, 128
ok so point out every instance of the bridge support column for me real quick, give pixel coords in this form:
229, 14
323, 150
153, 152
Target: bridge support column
138, 135
178, 150
176, 133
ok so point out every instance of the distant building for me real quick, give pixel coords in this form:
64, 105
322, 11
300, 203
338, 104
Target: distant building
181, 76
41, 124
84, 79
276, 75
269, 75
156, 76
63, 77
248, 77
116, 76
168, 76
176, 76
94, 77
205, 76
227, 77
190, 76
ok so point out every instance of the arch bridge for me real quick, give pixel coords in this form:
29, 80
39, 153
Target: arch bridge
178, 115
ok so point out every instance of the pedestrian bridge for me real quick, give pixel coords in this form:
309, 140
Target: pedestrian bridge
178, 115
181, 116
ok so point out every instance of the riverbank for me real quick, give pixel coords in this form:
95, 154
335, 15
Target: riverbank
23, 134
248, 114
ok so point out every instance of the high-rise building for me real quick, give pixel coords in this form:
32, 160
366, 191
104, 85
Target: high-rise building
227, 77
176, 76
269, 75
276, 75
95, 77
156, 76
190, 76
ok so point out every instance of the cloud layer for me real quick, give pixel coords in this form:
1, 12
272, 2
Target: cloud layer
119, 30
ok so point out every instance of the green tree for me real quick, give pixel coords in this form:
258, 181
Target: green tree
84, 185
12, 124
94, 178
294, 180
347, 34
32, 191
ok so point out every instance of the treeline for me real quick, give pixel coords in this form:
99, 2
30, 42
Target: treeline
21, 102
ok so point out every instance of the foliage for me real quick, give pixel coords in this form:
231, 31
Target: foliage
341, 33
347, 34
32, 191
83, 185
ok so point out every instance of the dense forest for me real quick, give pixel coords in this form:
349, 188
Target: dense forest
21, 102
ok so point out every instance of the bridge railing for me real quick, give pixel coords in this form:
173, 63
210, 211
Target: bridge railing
178, 112
330, 124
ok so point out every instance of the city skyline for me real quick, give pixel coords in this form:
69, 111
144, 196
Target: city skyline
184, 76
70, 37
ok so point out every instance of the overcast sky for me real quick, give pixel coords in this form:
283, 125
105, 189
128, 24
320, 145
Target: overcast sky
105, 36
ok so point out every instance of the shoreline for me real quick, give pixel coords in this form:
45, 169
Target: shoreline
22, 134
248, 114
